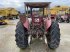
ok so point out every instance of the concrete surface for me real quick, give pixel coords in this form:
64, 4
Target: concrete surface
8, 44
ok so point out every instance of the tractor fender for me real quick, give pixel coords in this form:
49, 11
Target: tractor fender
47, 23
26, 24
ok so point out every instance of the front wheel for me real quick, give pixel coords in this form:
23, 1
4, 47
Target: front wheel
53, 36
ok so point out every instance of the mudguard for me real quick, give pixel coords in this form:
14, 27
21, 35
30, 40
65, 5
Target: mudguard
47, 23
25, 22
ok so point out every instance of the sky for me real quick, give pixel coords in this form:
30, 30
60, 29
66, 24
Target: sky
19, 4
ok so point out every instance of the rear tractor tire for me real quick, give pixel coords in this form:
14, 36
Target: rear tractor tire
53, 36
21, 36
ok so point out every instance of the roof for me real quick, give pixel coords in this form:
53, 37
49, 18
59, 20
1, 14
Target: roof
37, 4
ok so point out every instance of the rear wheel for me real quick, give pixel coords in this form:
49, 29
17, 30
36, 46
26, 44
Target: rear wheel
62, 20
21, 36
53, 36
67, 20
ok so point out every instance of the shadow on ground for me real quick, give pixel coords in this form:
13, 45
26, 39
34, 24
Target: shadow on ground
37, 46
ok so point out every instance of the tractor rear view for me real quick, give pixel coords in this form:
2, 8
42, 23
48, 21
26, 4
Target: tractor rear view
38, 26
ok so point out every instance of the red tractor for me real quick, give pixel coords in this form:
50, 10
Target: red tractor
37, 26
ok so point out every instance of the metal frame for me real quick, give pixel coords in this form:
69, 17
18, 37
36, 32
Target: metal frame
47, 7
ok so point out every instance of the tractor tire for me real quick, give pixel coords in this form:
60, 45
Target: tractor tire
17, 17
67, 20
53, 36
21, 36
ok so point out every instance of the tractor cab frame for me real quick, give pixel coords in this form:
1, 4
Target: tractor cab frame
32, 5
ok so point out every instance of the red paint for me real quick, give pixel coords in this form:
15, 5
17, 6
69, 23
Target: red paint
47, 23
